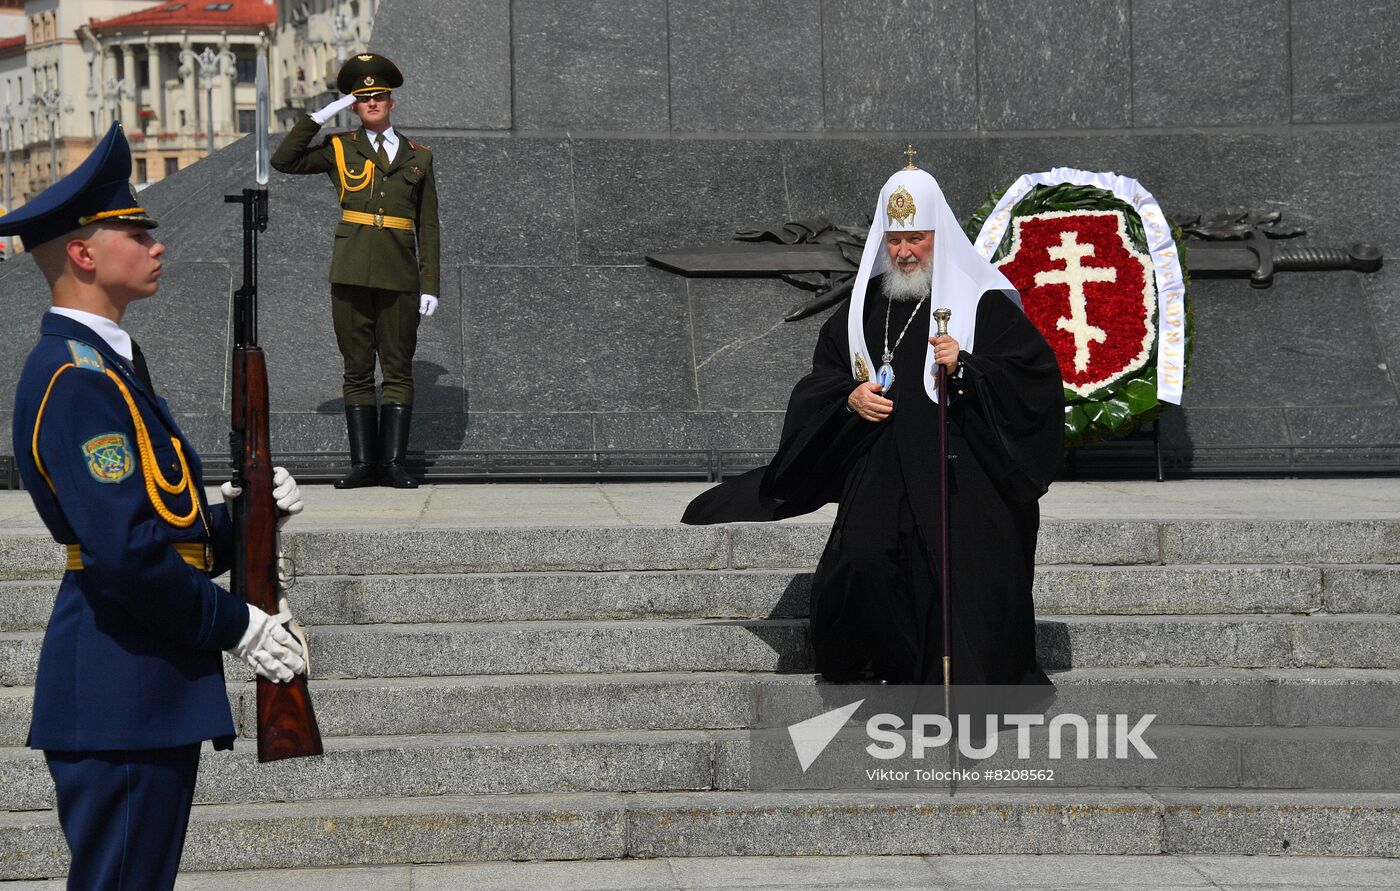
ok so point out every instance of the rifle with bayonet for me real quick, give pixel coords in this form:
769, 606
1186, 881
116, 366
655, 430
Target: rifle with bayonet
286, 722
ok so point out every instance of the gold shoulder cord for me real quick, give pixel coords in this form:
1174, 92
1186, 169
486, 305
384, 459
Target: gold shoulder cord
150, 468
39, 418
351, 182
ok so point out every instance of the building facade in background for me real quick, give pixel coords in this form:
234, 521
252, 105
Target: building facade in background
172, 72
311, 40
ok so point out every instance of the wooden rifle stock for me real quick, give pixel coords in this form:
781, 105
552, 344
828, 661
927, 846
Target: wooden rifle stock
286, 722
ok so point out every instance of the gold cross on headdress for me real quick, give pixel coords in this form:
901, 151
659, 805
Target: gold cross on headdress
909, 153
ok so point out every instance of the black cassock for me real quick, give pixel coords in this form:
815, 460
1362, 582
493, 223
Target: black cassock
875, 597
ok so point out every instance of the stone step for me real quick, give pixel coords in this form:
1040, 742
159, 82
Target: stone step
1025, 872
440, 764
584, 826
497, 703
503, 597
1278, 641
775, 546
1236, 642
785, 545
772, 593
1331, 697
781, 645
439, 649
1266, 758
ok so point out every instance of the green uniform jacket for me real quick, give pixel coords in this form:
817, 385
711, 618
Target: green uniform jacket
365, 255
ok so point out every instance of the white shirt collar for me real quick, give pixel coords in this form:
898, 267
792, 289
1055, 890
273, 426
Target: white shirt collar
391, 141
103, 327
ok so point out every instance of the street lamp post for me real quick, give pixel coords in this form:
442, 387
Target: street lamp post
7, 119
112, 91
51, 102
342, 34
208, 62
342, 38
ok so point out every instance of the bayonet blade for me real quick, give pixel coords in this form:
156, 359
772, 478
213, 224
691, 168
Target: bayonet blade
260, 117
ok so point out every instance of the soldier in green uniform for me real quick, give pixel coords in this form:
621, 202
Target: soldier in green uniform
384, 268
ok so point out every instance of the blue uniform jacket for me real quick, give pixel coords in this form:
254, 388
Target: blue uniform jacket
131, 658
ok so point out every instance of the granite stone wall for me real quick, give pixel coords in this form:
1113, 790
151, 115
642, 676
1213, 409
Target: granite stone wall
572, 137
829, 66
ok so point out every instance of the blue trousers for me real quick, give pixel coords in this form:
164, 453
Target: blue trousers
124, 814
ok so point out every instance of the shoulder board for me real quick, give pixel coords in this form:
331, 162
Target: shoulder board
419, 145
85, 356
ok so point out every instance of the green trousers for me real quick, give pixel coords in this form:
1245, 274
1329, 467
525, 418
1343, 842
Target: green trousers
373, 323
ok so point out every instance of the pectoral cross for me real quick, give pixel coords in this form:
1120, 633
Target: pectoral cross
909, 153
1076, 276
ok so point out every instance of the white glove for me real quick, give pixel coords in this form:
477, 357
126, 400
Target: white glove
269, 649
322, 115
285, 493
427, 304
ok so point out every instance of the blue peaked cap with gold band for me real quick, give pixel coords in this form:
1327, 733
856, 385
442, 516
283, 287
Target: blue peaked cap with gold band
98, 190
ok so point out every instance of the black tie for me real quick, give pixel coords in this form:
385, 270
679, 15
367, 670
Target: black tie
143, 374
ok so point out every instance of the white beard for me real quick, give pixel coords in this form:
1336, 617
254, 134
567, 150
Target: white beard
900, 285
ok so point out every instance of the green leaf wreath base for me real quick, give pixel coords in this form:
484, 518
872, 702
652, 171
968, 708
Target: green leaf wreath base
1117, 409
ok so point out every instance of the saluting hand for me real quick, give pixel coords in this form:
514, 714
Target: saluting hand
945, 351
324, 114
866, 401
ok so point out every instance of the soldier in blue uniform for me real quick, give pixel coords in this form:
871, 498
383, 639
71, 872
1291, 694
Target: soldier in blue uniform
130, 680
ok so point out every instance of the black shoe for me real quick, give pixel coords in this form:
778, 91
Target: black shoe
360, 475
396, 476
361, 422
394, 421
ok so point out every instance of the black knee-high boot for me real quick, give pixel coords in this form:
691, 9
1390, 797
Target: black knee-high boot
362, 423
393, 446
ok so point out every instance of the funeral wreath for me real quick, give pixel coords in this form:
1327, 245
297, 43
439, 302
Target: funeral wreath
1101, 275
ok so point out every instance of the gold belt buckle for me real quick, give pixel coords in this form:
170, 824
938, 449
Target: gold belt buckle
379, 220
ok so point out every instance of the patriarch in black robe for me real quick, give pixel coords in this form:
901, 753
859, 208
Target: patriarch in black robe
873, 448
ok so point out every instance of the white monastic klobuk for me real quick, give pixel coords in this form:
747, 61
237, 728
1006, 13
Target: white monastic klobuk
960, 274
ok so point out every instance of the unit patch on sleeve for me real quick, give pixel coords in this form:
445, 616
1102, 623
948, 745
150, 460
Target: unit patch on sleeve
109, 457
